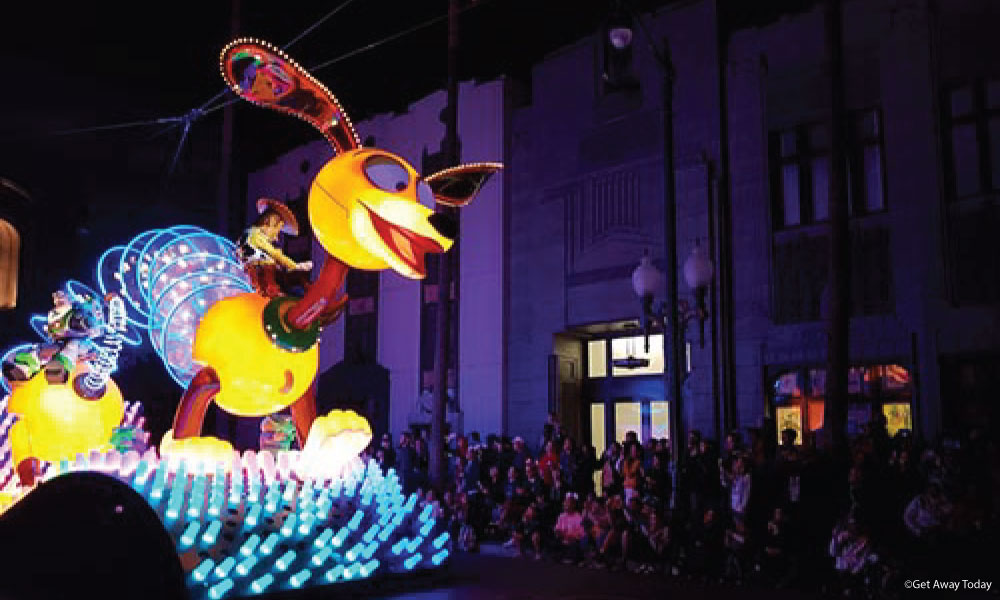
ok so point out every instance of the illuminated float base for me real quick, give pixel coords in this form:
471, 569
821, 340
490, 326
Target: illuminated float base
259, 526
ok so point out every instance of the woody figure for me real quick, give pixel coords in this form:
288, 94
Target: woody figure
271, 271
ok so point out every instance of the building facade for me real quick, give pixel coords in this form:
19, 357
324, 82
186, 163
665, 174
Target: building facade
546, 310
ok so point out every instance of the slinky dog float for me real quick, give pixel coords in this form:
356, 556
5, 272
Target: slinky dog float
260, 355
254, 523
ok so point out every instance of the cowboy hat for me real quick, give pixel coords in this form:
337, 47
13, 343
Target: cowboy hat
291, 226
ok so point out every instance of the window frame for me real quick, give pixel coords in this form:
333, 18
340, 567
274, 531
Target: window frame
805, 153
981, 115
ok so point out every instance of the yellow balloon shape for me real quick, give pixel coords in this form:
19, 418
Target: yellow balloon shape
256, 377
58, 424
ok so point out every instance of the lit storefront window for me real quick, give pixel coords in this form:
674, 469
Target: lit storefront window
635, 347
628, 417
798, 397
659, 420
597, 359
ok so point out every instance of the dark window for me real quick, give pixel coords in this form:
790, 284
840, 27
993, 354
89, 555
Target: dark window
800, 178
972, 122
800, 170
972, 163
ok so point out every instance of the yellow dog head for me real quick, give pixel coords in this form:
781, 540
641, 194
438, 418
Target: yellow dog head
368, 208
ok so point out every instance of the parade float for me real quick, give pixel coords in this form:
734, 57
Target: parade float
231, 328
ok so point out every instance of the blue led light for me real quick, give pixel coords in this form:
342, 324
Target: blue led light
203, 569
323, 538
219, 590
212, 533
416, 543
355, 551
306, 523
285, 561
334, 574
355, 521
413, 561
246, 565
438, 558
299, 578
441, 540
225, 567
426, 529
190, 534
341, 537
288, 527
253, 516
369, 567
262, 583
250, 545
321, 557
268, 546
371, 533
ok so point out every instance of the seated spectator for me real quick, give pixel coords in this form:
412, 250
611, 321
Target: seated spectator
569, 531
528, 534
777, 558
926, 514
611, 552
635, 535
852, 553
705, 555
657, 540
596, 524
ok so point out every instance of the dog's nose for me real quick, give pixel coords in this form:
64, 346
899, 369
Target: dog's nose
444, 225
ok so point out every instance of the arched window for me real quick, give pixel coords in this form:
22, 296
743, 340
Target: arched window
10, 263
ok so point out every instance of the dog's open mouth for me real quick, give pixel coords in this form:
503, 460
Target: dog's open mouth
410, 247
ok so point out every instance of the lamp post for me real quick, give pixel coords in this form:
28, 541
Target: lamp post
698, 271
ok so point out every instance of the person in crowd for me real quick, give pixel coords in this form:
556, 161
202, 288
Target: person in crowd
528, 534
569, 531
520, 455
611, 481
596, 525
632, 473
547, 461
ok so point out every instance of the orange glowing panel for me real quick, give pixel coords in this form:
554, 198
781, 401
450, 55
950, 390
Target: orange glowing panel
256, 377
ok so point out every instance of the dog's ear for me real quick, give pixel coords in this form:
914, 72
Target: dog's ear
457, 186
264, 75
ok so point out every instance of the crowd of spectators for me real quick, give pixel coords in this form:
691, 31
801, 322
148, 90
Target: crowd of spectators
753, 511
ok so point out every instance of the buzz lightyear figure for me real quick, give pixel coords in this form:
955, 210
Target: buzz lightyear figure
71, 326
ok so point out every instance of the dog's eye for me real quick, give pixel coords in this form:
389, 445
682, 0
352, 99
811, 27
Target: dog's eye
386, 174
424, 193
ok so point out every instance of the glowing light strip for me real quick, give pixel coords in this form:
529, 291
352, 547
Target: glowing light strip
132, 248
38, 323
107, 359
163, 336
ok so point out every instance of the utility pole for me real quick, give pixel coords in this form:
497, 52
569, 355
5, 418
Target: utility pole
835, 409
442, 345
223, 196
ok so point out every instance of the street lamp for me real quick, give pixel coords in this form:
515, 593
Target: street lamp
647, 279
